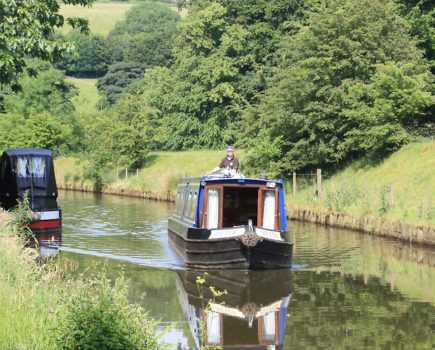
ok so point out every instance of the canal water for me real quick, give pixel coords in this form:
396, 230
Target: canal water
345, 290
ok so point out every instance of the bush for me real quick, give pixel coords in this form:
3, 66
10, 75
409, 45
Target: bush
95, 315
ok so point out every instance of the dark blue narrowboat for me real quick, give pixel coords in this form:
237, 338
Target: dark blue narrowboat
31, 171
225, 222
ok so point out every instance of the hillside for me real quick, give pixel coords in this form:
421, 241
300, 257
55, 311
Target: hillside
402, 187
158, 176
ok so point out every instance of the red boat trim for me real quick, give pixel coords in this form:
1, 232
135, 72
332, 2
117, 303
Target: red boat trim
45, 224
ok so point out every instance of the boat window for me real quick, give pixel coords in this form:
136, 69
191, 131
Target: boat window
37, 166
31, 166
240, 204
269, 208
213, 328
269, 327
192, 208
213, 208
178, 202
188, 206
23, 167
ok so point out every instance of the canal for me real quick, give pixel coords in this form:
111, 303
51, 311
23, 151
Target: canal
345, 290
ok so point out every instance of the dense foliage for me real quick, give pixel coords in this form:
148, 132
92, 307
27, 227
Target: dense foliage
119, 76
347, 84
300, 84
26, 30
42, 114
96, 315
221, 59
92, 58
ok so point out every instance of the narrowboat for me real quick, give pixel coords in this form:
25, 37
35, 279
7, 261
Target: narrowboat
250, 315
31, 171
227, 222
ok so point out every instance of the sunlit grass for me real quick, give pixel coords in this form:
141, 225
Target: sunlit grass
400, 188
102, 16
88, 97
26, 300
160, 173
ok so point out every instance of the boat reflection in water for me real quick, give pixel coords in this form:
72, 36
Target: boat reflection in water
252, 315
49, 248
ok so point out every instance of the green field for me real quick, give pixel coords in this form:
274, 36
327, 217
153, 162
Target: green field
401, 188
102, 16
88, 96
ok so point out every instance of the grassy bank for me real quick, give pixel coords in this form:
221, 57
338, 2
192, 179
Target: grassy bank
400, 188
43, 309
159, 176
26, 299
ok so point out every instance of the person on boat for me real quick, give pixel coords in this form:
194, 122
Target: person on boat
229, 163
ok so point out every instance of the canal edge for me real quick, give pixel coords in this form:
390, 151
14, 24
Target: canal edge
412, 233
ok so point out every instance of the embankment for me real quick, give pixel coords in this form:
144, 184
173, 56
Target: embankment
392, 199
378, 226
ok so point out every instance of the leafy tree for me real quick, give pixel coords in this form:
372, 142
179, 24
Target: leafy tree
146, 35
221, 59
42, 114
119, 76
120, 136
26, 30
421, 15
92, 58
345, 63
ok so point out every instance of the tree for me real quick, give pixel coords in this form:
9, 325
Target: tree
118, 77
221, 58
120, 136
92, 58
42, 114
27, 29
146, 35
334, 75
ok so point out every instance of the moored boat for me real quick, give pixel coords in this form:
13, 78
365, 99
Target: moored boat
30, 171
227, 222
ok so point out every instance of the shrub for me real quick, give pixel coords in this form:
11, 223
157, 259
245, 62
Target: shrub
96, 315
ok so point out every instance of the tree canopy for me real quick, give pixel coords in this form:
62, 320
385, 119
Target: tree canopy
347, 84
42, 114
26, 30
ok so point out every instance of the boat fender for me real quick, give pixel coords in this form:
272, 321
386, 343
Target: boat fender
250, 239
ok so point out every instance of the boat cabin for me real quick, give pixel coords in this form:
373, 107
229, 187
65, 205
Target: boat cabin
30, 171
222, 203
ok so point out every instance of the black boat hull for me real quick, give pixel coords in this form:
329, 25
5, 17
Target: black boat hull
231, 253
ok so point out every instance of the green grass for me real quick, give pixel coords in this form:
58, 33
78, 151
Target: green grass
159, 175
26, 301
102, 16
88, 96
401, 188
42, 308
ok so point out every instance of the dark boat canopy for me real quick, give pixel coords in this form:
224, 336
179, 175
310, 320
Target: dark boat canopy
28, 170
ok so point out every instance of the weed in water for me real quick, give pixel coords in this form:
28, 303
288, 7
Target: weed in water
206, 306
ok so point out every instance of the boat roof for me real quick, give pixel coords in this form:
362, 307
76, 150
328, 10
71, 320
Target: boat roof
28, 151
228, 180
